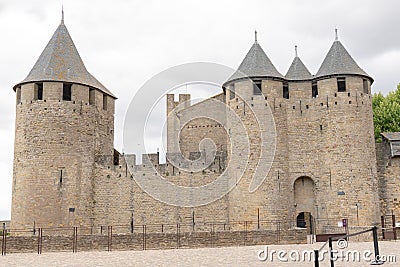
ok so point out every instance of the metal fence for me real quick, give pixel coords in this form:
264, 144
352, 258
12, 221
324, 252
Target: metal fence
149, 236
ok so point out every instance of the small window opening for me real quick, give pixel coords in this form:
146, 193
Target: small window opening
92, 95
257, 89
341, 84
104, 102
232, 92
18, 95
38, 91
314, 90
61, 177
67, 91
320, 127
286, 91
365, 86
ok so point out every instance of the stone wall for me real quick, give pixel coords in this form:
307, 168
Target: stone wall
389, 179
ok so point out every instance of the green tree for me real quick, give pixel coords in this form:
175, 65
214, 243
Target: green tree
386, 113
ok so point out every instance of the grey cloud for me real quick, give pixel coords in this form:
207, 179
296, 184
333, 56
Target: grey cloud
125, 43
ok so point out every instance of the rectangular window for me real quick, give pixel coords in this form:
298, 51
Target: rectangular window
257, 89
18, 95
92, 95
341, 84
38, 91
104, 102
67, 91
314, 89
232, 91
365, 86
286, 91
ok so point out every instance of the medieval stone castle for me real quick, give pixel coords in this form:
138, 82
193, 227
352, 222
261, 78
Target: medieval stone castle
326, 164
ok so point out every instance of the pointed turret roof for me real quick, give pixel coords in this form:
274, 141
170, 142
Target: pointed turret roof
60, 61
339, 61
298, 71
255, 64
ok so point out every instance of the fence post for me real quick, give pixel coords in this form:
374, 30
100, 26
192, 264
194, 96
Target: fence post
394, 227
331, 252
3, 243
144, 236
245, 233
258, 218
316, 258
212, 235
111, 233
278, 232
73, 241
109, 238
177, 236
39, 249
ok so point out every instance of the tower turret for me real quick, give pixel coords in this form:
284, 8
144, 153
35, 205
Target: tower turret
64, 126
258, 67
299, 79
339, 70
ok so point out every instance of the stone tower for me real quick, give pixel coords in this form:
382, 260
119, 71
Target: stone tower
64, 125
325, 165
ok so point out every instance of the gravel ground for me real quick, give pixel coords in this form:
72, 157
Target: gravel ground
229, 256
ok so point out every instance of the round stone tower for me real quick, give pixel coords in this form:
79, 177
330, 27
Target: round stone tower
64, 126
254, 90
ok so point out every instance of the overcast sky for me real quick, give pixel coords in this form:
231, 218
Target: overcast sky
124, 43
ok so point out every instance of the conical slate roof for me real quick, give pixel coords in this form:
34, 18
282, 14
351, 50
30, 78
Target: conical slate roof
255, 64
339, 61
298, 71
60, 61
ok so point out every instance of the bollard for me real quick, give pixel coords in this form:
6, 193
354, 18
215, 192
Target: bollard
377, 260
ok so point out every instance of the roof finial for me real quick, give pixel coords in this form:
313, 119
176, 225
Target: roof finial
255, 36
336, 35
295, 50
62, 14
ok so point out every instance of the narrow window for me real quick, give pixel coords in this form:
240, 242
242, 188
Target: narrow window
104, 102
365, 86
314, 89
18, 95
257, 88
92, 95
67, 91
61, 177
232, 92
286, 91
341, 84
38, 91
